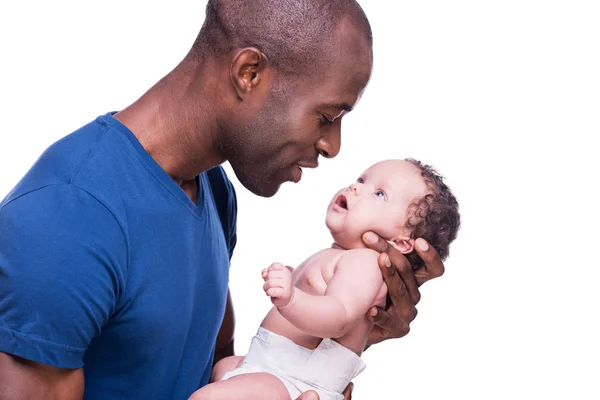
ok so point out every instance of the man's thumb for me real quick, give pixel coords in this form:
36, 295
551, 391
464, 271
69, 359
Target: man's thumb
309, 396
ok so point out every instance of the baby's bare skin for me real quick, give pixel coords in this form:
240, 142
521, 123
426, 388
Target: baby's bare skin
330, 294
312, 277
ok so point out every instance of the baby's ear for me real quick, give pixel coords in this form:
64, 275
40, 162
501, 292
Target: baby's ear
404, 244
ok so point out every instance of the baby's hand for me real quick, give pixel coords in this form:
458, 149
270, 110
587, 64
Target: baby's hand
278, 284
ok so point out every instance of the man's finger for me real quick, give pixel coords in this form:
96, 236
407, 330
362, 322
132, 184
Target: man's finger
398, 261
376, 336
348, 392
375, 242
402, 302
387, 326
383, 318
391, 325
433, 268
400, 274
310, 395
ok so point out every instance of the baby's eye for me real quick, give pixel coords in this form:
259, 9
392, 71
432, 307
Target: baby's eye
380, 194
360, 180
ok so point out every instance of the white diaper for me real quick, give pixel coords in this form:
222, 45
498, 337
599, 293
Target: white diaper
328, 369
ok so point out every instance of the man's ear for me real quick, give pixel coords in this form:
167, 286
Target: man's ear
247, 71
404, 244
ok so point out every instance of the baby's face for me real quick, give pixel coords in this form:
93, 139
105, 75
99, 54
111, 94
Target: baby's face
378, 201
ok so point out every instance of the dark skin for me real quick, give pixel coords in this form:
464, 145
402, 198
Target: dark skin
22, 379
208, 111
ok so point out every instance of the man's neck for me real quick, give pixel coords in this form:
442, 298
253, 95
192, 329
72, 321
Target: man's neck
176, 129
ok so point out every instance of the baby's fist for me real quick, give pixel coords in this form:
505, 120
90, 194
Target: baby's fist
278, 284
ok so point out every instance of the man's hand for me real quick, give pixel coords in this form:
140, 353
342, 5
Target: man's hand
278, 284
403, 286
310, 395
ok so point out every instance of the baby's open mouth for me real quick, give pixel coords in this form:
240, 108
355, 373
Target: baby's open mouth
342, 202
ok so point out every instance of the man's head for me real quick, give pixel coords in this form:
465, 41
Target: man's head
401, 200
286, 72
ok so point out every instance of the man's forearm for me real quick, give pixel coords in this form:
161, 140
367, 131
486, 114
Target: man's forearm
223, 352
224, 343
320, 316
21, 379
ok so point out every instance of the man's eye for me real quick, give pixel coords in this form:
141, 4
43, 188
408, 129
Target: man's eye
380, 194
326, 121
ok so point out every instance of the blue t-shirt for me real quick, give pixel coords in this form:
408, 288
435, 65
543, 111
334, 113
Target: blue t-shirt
106, 264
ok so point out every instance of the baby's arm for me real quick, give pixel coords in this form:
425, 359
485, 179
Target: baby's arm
349, 295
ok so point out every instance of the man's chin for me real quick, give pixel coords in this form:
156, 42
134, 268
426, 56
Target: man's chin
266, 192
262, 188
260, 183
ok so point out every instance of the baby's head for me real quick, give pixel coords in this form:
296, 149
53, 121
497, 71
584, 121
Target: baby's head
401, 200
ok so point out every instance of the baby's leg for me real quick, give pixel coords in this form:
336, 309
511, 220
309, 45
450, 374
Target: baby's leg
253, 386
224, 366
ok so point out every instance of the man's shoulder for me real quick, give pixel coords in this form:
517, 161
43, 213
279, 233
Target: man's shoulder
57, 208
57, 187
62, 161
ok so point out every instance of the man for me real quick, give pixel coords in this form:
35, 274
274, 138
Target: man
115, 247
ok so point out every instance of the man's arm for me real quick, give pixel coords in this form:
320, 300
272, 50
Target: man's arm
349, 295
62, 257
21, 379
224, 345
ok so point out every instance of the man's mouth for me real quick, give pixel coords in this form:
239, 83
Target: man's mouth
342, 202
297, 169
309, 164
296, 173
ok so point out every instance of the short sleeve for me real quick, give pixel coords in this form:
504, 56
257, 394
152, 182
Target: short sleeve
63, 258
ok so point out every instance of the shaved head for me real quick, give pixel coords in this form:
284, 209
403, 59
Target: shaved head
273, 79
291, 33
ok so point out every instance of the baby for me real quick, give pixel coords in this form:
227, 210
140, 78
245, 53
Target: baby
314, 335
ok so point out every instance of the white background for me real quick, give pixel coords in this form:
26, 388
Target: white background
502, 97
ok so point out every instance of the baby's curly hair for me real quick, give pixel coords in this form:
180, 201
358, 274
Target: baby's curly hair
435, 216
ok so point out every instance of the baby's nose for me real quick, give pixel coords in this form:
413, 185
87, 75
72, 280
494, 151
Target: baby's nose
355, 187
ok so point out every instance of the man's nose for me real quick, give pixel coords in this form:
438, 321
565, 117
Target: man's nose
329, 145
